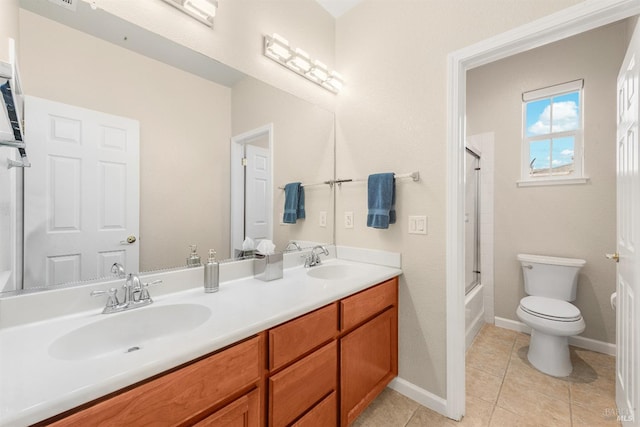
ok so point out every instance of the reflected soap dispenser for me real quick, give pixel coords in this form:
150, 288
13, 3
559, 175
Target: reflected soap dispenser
211, 273
194, 259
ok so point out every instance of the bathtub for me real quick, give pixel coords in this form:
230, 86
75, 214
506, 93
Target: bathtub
474, 313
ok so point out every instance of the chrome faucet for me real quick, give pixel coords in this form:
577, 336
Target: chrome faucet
118, 270
136, 294
313, 258
294, 244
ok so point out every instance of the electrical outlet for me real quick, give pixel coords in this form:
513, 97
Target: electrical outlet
323, 218
417, 224
348, 220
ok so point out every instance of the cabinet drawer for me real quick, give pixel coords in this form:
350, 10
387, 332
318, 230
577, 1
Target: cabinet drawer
323, 414
366, 304
299, 387
178, 396
299, 336
242, 412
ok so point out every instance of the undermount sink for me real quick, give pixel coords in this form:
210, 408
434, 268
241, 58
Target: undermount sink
332, 272
128, 331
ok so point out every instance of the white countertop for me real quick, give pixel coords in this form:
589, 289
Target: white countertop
34, 385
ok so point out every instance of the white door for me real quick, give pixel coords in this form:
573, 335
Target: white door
628, 236
81, 193
257, 192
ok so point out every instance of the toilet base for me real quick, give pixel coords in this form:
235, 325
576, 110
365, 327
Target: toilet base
550, 354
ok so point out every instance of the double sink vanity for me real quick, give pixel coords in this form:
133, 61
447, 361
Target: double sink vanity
313, 348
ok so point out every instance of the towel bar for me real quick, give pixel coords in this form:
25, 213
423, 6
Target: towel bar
415, 176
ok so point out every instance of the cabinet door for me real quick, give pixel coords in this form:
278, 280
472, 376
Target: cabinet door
243, 412
368, 361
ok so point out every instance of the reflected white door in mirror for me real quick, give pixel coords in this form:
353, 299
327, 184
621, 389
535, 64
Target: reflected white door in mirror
81, 210
251, 186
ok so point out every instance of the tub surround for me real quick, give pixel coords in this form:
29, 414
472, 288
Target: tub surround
36, 386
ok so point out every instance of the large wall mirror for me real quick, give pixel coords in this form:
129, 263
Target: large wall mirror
169, 119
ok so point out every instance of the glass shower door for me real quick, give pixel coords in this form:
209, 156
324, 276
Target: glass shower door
472, 216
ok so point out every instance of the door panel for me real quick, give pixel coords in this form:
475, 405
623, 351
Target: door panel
257, 193
81, 193
628, 185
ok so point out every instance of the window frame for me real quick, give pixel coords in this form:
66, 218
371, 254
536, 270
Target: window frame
577, 175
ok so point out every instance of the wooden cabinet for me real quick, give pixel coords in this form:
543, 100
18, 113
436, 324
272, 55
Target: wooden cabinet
320, 369
299, 336
324, 414
303, 361
368, 353
242, 412
183, 396
305, 392
297, 389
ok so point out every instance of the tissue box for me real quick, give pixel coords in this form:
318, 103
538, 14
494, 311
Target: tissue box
268, 267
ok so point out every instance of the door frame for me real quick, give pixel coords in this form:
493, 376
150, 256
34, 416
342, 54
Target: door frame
565, 23
237, 183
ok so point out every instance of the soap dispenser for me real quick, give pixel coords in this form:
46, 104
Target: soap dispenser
194, 259
211, 273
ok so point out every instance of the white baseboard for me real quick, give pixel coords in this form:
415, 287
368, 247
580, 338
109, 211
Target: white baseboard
576, 341
420, 395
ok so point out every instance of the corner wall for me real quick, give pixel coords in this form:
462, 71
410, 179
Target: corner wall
575, 221
391, 116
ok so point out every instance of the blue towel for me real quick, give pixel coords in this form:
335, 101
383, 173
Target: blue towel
382, 200
293, 203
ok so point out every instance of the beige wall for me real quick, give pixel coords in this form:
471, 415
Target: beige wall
577, 221
8, 26
303, 150
392, 117
236, 38
184, 131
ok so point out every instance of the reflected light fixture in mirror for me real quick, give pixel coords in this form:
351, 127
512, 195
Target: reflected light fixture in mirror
297, 60
202, 10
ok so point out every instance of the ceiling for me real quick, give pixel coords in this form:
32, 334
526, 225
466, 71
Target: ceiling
338, 7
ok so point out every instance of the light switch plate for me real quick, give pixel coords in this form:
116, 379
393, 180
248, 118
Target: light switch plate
417, 224
348, 220
323, 218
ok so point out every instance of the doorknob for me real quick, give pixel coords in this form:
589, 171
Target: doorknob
131, 239
615, 256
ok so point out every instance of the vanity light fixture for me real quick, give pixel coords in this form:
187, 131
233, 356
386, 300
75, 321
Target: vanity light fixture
202, 10
297, 60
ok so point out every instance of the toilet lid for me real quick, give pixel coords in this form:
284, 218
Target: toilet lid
549, 308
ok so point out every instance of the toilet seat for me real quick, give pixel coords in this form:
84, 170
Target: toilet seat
550, 309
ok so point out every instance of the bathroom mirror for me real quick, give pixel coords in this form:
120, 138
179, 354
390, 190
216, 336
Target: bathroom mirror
188, 122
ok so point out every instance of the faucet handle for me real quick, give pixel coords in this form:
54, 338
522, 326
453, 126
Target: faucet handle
112, 296
144, 293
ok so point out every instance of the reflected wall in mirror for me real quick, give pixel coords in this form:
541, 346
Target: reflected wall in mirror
186, 123
303, 151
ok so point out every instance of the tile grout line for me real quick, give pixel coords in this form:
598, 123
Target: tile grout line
504, 376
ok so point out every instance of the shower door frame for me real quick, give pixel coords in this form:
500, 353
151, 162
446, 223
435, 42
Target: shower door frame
477, 270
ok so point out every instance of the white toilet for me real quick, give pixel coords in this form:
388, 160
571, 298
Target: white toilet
550, 283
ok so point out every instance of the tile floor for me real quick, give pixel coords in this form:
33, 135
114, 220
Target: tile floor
504, 390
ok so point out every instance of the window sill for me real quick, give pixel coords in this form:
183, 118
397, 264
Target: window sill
552, 181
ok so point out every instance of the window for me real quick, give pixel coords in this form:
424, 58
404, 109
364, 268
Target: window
552, 135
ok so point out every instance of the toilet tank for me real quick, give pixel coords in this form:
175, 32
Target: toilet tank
550, 277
